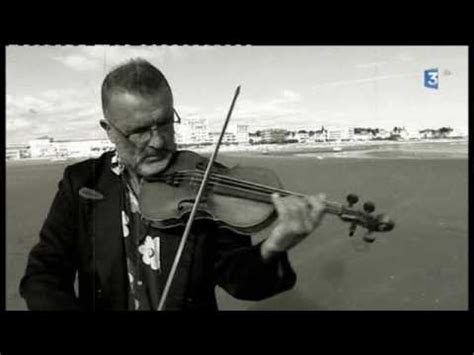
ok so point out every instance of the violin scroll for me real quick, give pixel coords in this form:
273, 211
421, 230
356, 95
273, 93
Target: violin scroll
363, 218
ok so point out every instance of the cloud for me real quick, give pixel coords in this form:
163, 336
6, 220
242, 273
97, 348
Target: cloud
405, 57
188, 111
402, 57
52, 112
87, 58
284, 109
47, 103
78, 62
371, 65
363, 80
17, 124
292, 96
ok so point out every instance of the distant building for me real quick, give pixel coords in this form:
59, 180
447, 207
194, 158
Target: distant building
192, 131
228, 138
17, 151
199, 130
364, 134
182, 133
47, 148
443, 132
382, 134
42, 147
242, 134
90, 148
411, 134
340, 134
321, 135
302, 136
255, 138
273, 135
401, 133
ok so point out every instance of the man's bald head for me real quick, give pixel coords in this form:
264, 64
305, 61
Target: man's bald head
137, 76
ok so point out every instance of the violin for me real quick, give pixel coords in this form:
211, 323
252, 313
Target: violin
193, 187
236, 198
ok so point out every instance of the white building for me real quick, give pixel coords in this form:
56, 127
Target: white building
254, 139
229, 138
90, 148
42, 148
199, 130
273, 135
320, 135
382, 134
242, 134
192, 131
16, 151
410, 133
340, 134
47, 148
366, 136
182, 133
302, 136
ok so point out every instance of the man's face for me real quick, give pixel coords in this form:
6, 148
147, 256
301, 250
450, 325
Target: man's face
142, 129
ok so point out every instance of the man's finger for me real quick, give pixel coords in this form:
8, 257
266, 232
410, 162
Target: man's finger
317, 203
279, 204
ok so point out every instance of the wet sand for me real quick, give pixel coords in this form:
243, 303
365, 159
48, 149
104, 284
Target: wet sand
421, 265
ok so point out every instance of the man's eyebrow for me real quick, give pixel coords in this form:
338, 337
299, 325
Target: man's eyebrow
147, 125
155, 115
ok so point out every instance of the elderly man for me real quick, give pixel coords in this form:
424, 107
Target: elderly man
95, 229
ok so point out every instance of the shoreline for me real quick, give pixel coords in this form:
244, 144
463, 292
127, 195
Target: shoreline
362, 149
327, 147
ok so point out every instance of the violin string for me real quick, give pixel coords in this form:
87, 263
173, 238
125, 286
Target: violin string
227, 182
266, 196
246, 186
267, 189
336, 207
247, 183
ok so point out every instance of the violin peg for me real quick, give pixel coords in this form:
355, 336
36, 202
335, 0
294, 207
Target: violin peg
368, 237
369, 207
385, 224
352, 229
352, 199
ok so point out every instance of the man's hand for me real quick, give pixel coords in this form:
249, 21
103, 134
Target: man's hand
297, 218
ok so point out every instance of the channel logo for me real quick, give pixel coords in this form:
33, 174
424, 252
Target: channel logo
432, 78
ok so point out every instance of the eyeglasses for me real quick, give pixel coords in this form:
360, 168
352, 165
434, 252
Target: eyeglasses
143, 135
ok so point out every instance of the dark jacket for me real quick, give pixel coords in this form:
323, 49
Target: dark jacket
84, 237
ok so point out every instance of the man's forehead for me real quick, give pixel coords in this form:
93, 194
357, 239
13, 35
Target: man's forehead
149, 107
126, 98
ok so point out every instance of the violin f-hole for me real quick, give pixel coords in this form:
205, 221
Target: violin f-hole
189, 203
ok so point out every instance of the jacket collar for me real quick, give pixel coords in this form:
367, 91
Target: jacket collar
107, 245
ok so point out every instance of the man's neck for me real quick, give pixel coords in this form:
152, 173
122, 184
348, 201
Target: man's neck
133, 180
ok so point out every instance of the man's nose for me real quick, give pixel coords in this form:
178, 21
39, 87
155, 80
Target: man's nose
156, 141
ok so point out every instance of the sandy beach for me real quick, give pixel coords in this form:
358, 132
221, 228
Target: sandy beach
343, 149
421, 265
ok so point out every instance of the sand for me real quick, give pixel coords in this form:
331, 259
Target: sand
421, 265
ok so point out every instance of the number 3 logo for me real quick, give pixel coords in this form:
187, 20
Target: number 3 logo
432, 78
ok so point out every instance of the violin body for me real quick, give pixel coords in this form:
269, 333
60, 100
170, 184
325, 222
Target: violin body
167, 199
236, 198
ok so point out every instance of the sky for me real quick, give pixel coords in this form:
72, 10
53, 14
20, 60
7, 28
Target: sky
55, 90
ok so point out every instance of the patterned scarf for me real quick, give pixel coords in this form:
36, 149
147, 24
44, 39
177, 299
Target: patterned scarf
145, 249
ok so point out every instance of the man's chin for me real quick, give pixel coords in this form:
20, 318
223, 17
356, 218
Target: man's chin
150, 167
